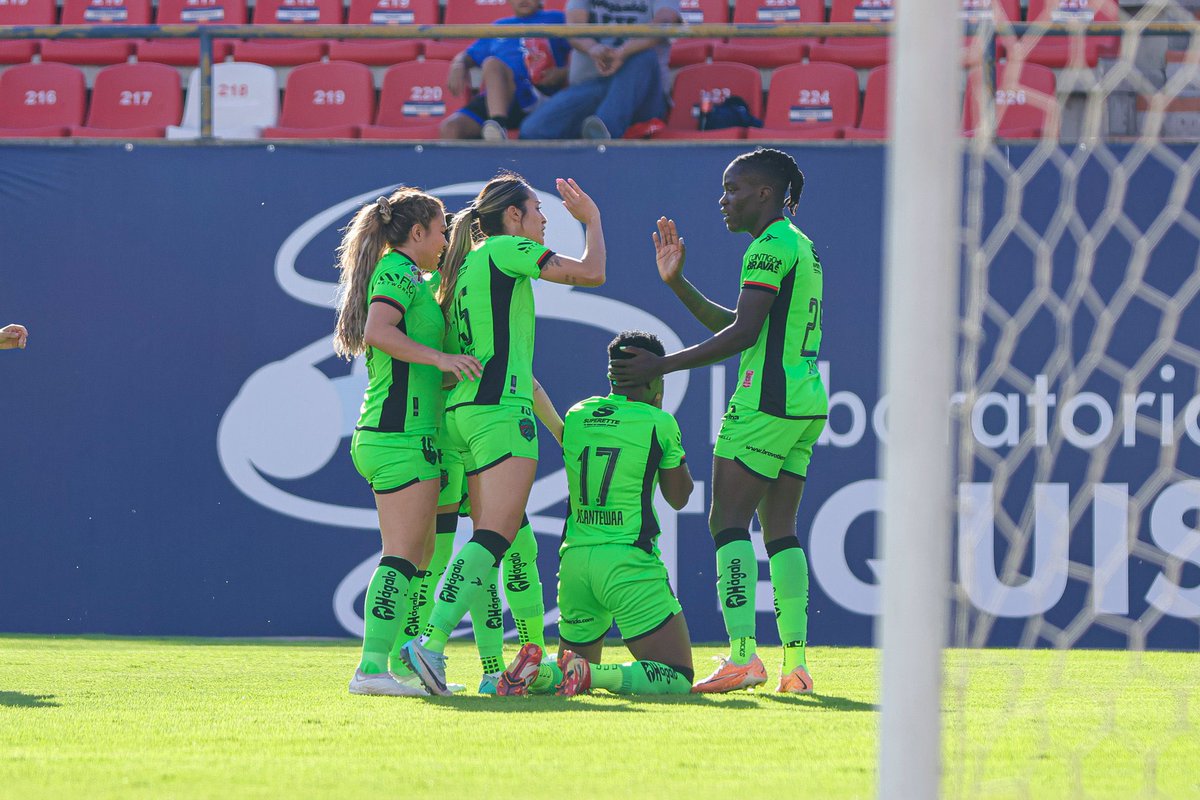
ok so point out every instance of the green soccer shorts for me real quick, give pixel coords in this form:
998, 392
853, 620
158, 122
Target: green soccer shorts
487, 435
394, 461
454, 477
600, 583
768, 445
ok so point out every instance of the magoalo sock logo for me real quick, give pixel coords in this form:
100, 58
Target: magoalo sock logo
385, 604
657, 673
454, 580
518, 576
412, 625
495, 614
735, 592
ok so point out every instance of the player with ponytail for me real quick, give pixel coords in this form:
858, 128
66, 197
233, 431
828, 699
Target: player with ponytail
776, 412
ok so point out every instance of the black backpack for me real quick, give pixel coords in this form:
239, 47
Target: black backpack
730, 113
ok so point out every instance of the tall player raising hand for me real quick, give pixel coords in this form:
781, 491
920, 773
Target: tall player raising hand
774, 416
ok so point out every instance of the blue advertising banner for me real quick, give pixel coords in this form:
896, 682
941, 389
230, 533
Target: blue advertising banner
175, 440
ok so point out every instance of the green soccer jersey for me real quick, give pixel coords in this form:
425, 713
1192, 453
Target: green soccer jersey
403, 397
492, 318
778, 373
613, 448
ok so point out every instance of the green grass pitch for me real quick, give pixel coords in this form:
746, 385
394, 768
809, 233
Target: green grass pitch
106, 717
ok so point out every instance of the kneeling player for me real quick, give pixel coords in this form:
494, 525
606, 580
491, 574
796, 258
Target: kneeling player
617, 449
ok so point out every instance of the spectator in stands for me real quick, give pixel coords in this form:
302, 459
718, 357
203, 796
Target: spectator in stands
517, 75
614, 82
13, 336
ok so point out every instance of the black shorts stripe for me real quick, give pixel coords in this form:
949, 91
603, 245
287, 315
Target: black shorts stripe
398, 488
569, 644
499, 460
655, 629
795, 475
751, 470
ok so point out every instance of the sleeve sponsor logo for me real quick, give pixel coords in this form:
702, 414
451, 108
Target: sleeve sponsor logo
765, 262
526, 245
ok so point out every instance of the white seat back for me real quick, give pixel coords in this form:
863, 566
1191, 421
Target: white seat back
245, 100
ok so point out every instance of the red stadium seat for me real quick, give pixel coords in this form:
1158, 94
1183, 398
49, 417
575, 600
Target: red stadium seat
874, 121
1026, 105
133, 101
857, 51
697, 51
97, 12
185, 53
41, 100
810, 101
380, 52
710, 83
1064, 51
465, 12
326, 100
413, 102
277, 53
24, 12
771, 52
980, 10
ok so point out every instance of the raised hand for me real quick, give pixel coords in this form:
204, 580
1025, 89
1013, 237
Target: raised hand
669, 251
465, 368
13, 337
577, 202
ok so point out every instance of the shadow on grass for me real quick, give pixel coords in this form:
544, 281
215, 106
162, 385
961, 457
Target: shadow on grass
829, 701
22, 700
549, 704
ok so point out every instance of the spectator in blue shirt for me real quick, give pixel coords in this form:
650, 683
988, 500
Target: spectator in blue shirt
517, 74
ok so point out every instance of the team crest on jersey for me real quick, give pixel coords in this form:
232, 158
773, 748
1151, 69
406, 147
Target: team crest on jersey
429, 450
748, 379
527, 429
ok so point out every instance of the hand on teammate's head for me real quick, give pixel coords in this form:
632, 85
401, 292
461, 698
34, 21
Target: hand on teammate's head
13, 337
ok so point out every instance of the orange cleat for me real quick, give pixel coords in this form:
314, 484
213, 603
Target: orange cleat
521, 673
798, 681
577, 674
730, 677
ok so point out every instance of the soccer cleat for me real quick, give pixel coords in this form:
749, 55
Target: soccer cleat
521, 673
729, 676
798, 681
429, 666
487, 684
577, 674
456, 688
384, 683
494, 132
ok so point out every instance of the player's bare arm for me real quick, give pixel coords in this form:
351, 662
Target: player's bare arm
670, 253
381, 333
676, 485
753, 306
589, 269
544, 410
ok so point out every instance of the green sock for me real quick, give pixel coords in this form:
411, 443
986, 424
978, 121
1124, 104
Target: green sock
548, 678
383, 611
737, 580
640, 677
421, 591
789, 579
487, 620
465, 579
523, 587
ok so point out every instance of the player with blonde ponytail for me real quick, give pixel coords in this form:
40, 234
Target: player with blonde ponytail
387, 311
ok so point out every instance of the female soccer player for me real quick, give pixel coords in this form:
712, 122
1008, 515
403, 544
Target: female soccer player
774, 416
386, 310
487, 295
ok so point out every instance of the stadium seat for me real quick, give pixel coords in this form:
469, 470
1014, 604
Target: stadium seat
41, 100
132, 101
326, 100
770, 52
186, 52
381, 52
857, 51
697, 51
810, 101
97, 12
1064, 51
245, 100
973, 11
278, 53
1025, 107
28, 12
698, 84
465, 12
874, 121
413, 101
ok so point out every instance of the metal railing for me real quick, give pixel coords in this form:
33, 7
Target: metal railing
207, 33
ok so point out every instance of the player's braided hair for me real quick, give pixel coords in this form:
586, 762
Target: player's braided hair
779, 169
483, 217
384, 223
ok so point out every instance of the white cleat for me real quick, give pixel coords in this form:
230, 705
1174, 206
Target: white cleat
385, 683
